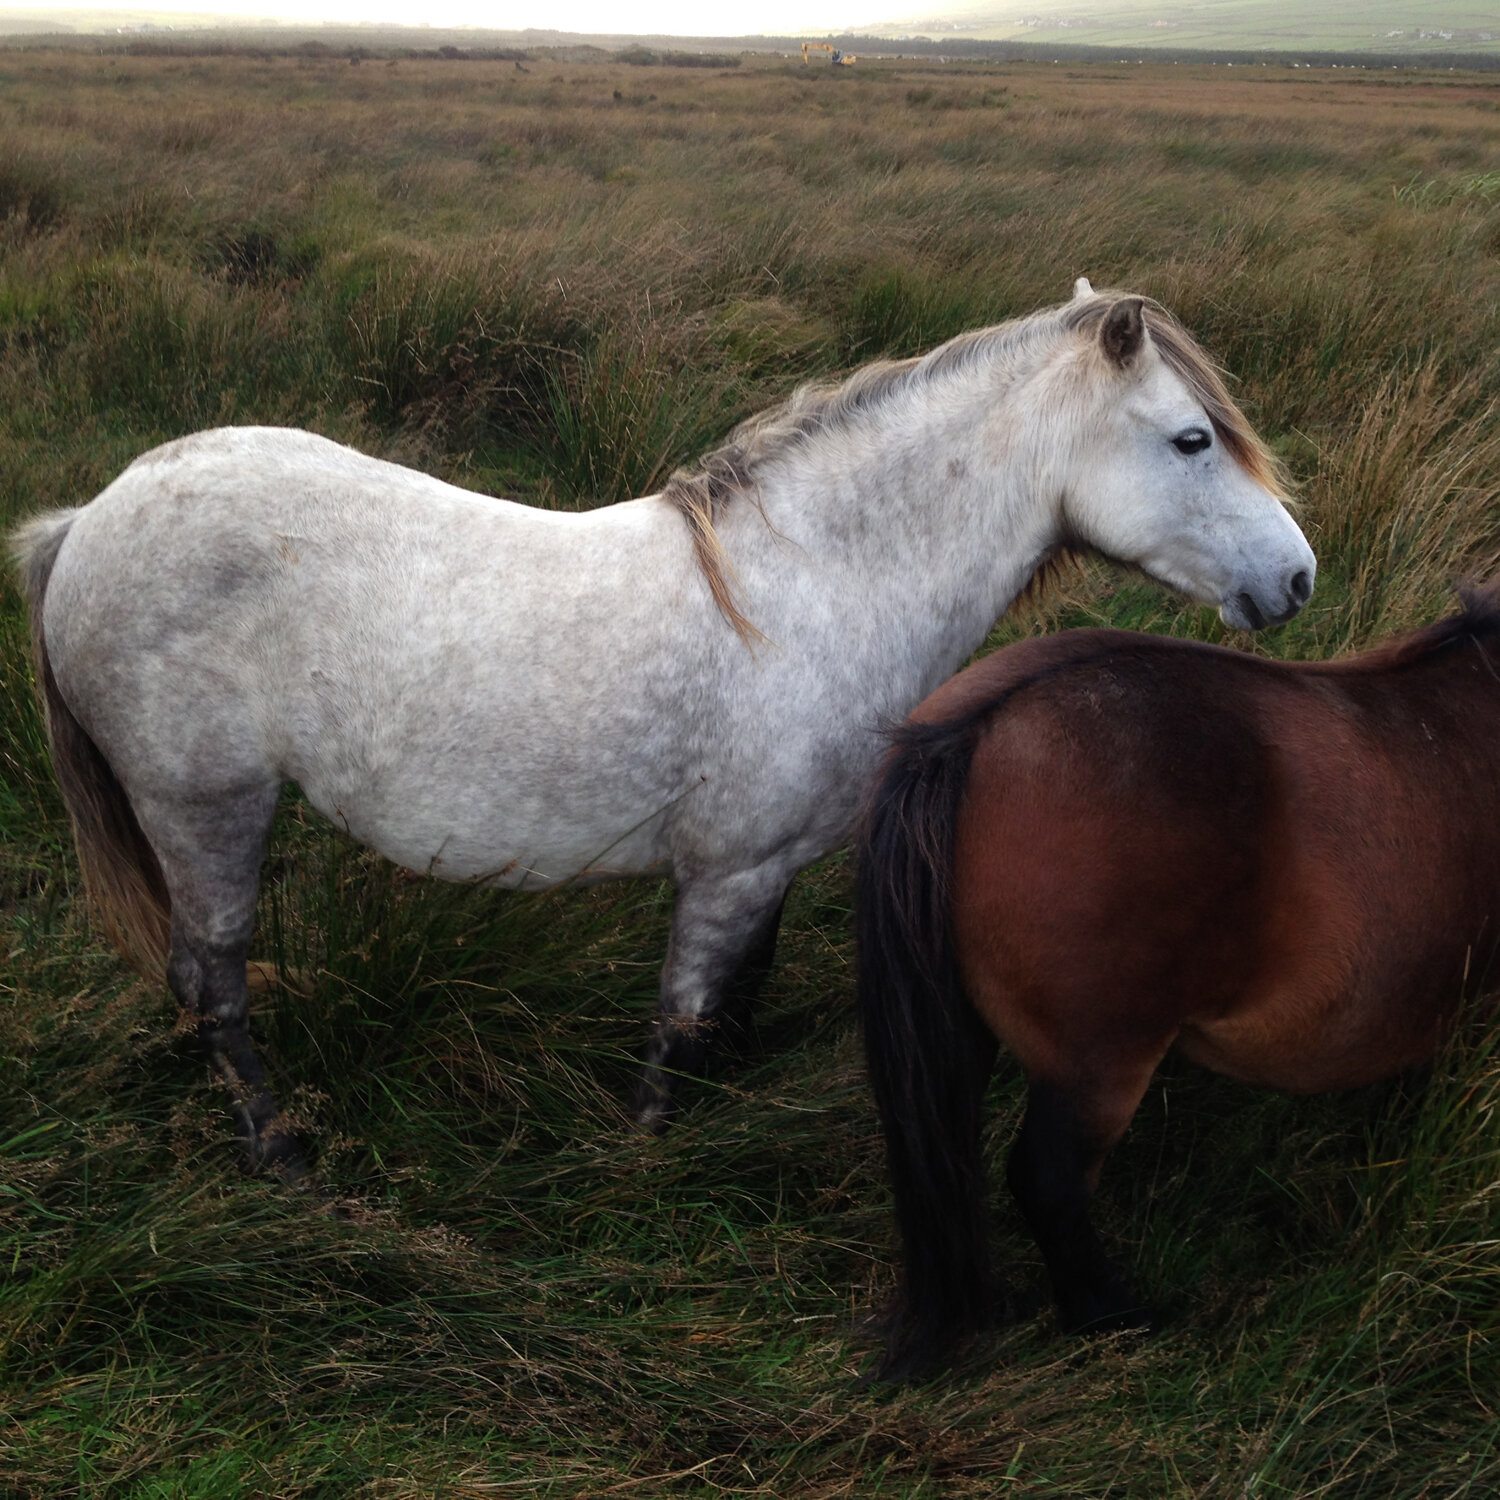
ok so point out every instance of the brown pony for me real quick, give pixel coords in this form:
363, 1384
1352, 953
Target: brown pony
1099, 845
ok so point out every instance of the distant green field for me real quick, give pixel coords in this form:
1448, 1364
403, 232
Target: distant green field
557, 279
1396, 26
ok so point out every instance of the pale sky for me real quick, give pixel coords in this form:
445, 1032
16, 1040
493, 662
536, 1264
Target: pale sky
643, 17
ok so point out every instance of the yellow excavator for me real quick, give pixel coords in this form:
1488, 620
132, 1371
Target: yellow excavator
837, 59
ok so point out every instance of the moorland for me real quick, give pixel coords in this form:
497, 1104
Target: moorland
558, 280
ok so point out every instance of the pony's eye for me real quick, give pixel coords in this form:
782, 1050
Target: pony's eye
1194, 440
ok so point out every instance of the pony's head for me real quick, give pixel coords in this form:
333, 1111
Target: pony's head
1164, 471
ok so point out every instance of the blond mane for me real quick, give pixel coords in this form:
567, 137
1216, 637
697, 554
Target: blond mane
700, 494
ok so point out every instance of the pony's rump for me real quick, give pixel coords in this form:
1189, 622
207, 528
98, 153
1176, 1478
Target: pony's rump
121, 875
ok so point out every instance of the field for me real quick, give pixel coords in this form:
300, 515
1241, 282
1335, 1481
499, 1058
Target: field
558, 281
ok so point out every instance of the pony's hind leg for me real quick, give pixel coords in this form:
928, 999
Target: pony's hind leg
210, 855
735, 1011
1052, 1173
721, 947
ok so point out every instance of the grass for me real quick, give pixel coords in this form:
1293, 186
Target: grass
558, 284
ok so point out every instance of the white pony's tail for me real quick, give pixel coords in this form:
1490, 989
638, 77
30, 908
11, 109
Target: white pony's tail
120, 870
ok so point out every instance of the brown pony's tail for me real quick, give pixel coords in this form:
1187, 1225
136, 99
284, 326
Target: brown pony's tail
928, 1052
120, 870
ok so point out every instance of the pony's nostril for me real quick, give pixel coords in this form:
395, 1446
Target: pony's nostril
1301, 588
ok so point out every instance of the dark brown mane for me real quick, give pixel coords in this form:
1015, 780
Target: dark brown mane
1477, 620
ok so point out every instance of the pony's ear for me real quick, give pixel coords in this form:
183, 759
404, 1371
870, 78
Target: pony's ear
1123, 332
1082, 289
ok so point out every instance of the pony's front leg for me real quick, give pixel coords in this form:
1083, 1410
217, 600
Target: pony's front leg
722, 944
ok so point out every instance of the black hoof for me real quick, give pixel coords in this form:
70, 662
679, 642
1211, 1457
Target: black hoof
653, 1107
277, 1154
675, 1056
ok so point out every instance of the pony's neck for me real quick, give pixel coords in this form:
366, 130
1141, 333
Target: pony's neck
921, 520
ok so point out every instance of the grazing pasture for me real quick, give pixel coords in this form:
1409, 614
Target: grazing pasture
559, 284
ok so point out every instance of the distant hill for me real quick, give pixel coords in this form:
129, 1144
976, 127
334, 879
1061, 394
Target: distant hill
1385, 26
21, 20
1369, 32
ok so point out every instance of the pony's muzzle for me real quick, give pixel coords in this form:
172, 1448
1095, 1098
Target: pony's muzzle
1243, 611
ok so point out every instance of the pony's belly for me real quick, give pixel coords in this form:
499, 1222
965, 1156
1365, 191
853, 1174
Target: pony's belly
1296, 1045
482, 844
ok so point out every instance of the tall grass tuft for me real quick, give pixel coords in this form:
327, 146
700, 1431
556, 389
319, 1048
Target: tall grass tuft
896, 314
175, 350
620, 419
1408, 500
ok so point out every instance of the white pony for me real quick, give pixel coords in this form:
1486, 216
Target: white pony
692, 684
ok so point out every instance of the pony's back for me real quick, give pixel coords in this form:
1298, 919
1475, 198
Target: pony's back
1285, 868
